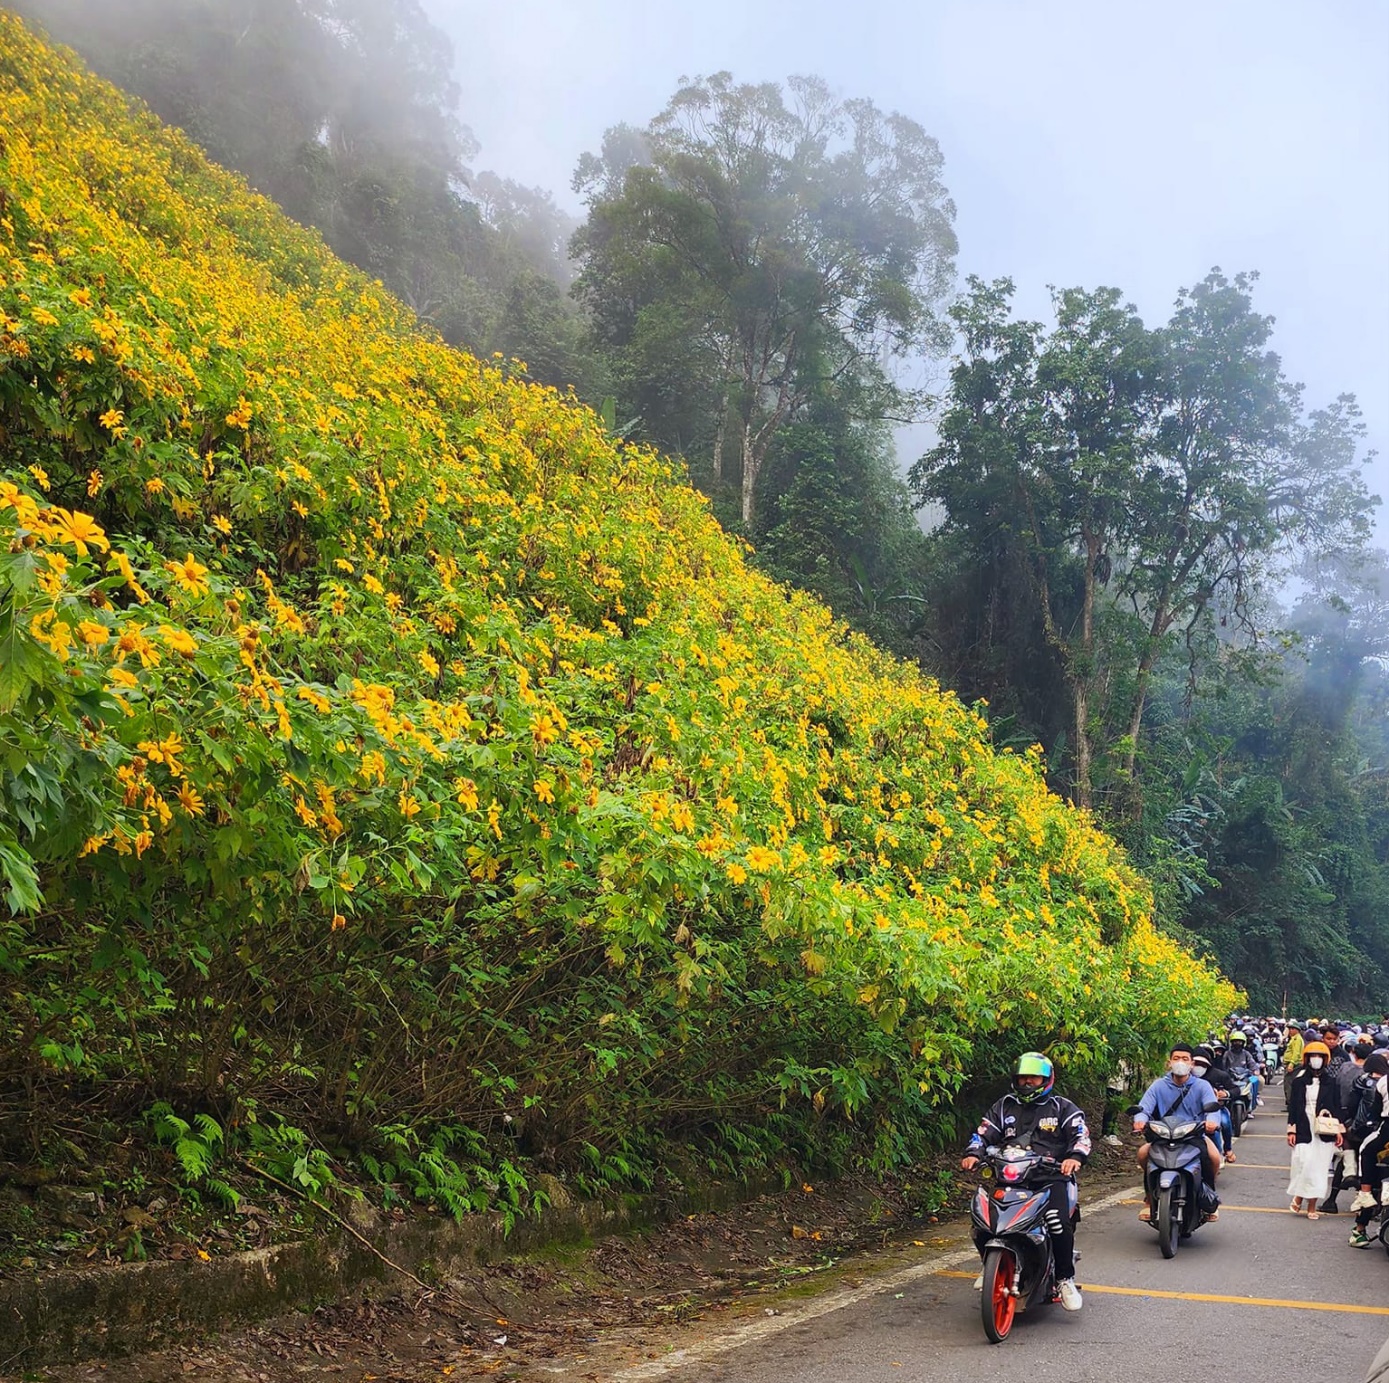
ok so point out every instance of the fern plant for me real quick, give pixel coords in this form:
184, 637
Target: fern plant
196, 1146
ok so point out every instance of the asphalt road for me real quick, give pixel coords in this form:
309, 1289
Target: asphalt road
1261, 1295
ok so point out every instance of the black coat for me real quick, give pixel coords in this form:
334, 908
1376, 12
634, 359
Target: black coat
1328, 1100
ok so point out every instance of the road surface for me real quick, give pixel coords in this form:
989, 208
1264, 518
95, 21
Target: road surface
1261, 1295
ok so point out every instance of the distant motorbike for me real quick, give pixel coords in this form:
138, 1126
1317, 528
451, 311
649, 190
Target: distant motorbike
1009, 1228
1174, 1184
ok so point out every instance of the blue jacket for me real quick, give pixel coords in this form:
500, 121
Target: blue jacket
1161, 1098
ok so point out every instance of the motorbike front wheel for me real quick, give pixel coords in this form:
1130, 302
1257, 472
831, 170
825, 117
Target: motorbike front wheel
997, 1303
1168, 1223
1237, 1118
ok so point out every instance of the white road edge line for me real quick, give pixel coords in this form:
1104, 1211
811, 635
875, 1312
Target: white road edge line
764, 1329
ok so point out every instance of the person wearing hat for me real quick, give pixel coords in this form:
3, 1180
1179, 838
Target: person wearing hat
1239, 1060
1033, 1114
1292, 1057
1311, 1094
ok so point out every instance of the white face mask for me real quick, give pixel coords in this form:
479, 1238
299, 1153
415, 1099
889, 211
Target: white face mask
1180, 1068
1314, 1062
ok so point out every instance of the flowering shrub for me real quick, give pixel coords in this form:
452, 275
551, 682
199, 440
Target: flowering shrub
384, 743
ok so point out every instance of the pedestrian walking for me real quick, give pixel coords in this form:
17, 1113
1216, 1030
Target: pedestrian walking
1314, 1129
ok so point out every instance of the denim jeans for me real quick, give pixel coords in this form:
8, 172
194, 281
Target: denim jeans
1227, 1130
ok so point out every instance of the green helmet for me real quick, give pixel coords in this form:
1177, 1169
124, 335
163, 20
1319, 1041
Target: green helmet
1034, 1064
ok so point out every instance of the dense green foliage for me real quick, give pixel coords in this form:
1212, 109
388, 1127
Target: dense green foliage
1120, 503
393, 759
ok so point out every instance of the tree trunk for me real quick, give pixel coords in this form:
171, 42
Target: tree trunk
1082, 675
751, 465
1082, 732
718, 438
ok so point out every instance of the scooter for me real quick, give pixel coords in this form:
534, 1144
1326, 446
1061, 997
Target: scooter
1173, 1182
1011, 1234
1241, 1104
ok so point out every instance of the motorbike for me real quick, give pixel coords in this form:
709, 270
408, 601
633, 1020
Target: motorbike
1009, 1228
1173, 1182
1241, 1105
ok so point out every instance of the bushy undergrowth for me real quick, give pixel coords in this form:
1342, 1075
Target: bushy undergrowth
390, 753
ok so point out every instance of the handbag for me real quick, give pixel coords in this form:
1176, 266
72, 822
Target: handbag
1327, 1125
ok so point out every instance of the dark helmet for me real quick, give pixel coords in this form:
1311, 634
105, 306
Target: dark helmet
1034, 1064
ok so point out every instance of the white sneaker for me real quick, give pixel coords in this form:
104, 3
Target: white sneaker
1069, 1294
1113, 1140
979, 1283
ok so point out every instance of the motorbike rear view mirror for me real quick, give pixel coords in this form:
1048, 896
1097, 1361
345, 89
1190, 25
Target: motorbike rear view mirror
1211, 1106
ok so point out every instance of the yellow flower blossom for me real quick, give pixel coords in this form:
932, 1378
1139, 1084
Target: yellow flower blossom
190, 575
76, 530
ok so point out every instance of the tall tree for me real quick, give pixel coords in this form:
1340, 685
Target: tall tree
786, 237
1145, 481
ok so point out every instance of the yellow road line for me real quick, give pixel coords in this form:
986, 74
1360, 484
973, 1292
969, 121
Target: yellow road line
1346, 1308
1254, 1209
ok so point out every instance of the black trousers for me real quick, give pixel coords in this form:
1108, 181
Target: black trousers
1372, 1172
1061, 1225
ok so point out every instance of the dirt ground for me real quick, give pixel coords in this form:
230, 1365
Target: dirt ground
609, 1303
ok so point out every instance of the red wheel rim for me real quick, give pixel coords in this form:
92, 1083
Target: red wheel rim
1005, 1303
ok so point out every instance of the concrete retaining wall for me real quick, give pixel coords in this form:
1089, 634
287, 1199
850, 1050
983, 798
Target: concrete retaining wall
72, 1315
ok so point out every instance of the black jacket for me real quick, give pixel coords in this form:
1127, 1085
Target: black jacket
1218, 1078
1328, 1100
1367, 1112
1346, 1075
1053, 1125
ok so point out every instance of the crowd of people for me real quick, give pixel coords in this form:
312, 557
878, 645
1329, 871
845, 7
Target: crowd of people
1335, 1079
1335, 1087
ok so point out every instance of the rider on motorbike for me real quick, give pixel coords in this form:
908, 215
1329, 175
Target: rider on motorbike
1179, 1093
1033, 1115
1240, 1060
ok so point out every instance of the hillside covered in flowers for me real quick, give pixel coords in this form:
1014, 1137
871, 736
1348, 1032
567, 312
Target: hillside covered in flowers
389, 753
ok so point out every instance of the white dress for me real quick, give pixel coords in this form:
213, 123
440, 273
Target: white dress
1311, 1169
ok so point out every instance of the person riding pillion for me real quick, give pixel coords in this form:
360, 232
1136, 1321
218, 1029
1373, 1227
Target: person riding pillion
1033, 1115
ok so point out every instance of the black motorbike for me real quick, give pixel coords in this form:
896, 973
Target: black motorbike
1241, 1104
1011, 1234
1174, 1183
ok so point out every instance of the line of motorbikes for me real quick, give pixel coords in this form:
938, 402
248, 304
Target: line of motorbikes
1007, 1210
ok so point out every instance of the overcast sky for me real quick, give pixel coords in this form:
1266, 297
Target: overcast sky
1086, 142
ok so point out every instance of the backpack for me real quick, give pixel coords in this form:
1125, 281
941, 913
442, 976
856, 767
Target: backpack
1367, 1111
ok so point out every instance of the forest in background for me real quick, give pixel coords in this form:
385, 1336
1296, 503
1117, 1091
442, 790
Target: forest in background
1150, 554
